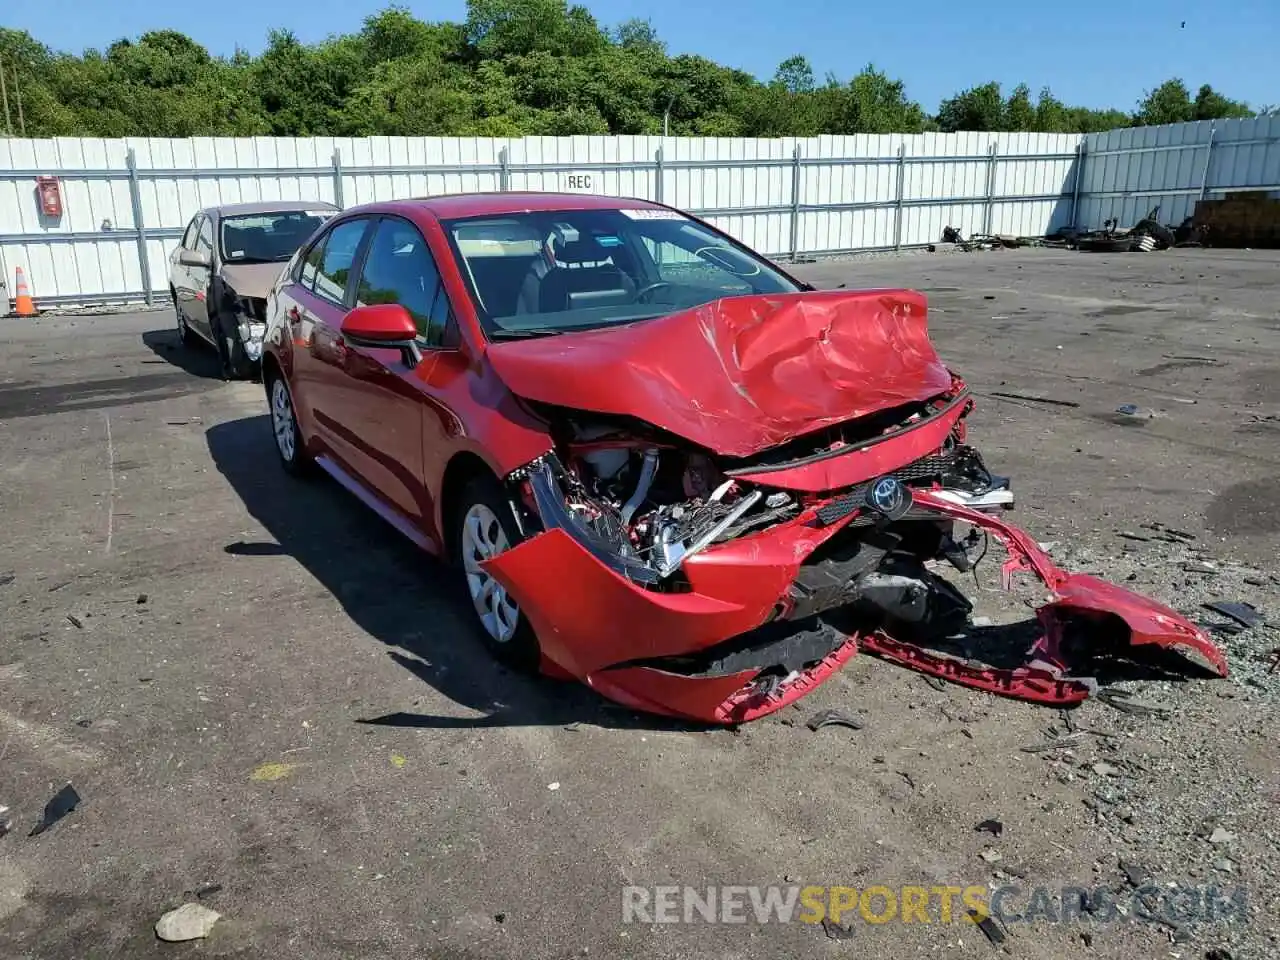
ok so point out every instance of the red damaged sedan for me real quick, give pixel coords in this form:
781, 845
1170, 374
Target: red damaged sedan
661, 465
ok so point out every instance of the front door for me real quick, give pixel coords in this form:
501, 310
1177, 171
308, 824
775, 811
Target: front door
385, 399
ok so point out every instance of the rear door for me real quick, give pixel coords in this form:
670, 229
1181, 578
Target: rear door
319, 302
388, 406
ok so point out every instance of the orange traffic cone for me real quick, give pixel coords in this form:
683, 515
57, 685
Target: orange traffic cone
22, 305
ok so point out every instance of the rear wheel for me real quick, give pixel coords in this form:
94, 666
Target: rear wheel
284, 424
485, 526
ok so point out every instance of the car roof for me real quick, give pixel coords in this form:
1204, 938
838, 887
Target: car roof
268, 206
450, 206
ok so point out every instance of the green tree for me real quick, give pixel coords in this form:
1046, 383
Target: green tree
978, 108
512, 67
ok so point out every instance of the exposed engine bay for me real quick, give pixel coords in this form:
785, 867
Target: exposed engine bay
654, 502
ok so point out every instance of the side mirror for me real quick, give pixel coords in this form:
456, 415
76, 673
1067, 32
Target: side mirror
385, 325
193, 258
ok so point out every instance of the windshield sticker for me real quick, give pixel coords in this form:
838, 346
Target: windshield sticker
237, 253
609, 241
322, 214
652, 214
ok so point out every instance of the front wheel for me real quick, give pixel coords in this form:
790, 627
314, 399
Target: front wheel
185, 335
485, 526
284, 423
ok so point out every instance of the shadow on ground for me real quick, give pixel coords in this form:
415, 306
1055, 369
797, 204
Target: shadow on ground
198, 359
395, 593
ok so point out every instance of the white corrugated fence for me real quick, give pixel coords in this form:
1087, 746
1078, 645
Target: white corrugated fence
126, 201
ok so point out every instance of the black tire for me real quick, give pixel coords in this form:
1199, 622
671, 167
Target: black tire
185, 336
520, 649
284, 426
236, 365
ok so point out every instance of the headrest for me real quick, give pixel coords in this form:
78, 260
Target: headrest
580, 251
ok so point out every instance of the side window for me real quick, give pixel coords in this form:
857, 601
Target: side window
334, 267
399, 268
189, 237
309, 266
204, 240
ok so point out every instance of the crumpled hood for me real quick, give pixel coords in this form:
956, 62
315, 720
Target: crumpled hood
742, 374
252, 279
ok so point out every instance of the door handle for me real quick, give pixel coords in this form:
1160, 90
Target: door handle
294, 316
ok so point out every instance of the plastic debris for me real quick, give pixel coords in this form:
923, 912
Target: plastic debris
833, 718
63, 802
1245, 614
835, 931
987, 924
993, 827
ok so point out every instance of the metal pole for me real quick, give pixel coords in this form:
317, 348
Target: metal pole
1082, 152
504, 170
902, 179
657, 175
991, 187
17, 95
4, 95
337, 178
1208, 155
135, 198
795, 204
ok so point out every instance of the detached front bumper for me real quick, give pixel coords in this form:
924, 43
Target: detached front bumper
734, 646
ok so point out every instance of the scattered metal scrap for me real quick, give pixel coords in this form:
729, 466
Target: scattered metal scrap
835, 931
991, 241
1146, 235
1056, 743
1033, 399
1113, 698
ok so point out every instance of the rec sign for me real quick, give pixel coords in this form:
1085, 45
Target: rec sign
579, 182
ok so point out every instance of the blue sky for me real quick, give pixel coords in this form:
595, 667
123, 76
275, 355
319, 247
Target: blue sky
1096, 53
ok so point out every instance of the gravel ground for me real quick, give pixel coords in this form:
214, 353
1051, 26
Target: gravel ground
198, 645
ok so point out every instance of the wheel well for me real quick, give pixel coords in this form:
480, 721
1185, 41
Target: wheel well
270, 368
462, 469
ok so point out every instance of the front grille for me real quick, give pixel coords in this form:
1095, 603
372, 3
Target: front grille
934, 468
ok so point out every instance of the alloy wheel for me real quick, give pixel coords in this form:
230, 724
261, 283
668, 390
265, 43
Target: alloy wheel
483, 539
282, 420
